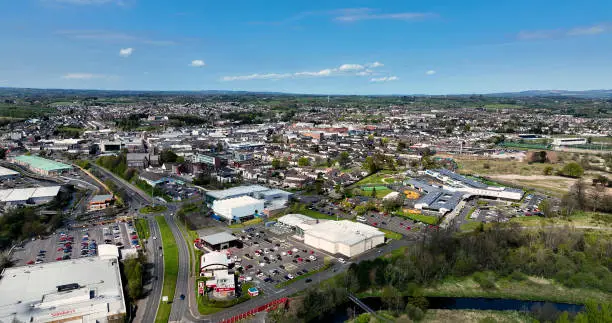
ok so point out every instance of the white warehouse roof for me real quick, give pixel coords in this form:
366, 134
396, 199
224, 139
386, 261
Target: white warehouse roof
31, 293
7, 172
23, 194
346, 232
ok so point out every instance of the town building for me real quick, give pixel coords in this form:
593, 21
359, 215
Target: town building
213, 261
6, 173
220, 241
100, 202
79, 290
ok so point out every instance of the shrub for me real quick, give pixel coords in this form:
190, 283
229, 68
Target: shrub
414, 312
486, 281
517, 276
572, 169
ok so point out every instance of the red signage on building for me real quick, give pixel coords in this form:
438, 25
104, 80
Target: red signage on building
62, 313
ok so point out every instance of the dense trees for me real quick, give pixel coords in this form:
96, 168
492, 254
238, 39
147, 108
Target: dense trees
24, 223
133, 269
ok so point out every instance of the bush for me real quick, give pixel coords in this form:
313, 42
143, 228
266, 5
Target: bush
573, 170
486, 281
414, 312
517, 276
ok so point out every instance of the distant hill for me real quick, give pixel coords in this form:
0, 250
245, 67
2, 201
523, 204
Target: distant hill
553, 93
8, 91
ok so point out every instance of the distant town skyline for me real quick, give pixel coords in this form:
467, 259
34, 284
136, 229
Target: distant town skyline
357, 47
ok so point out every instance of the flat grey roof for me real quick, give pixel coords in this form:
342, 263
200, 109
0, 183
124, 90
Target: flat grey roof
217, 238
236, 191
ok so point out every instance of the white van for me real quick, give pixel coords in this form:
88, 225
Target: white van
361, 219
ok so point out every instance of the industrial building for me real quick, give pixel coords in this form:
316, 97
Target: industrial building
569, 141
41, 165
273, 198
222, 284
220, 241
344, 237
6, 173
79, 290
34, 195
237, 209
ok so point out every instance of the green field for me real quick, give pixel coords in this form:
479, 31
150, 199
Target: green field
391, 235
427, 219
23, 111
142, 227
302, 209
171, 264
382, 177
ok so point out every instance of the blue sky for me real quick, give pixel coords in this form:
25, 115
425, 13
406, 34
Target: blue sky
335, 47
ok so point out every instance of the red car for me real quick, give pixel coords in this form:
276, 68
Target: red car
31, 262
58, 258
300, 259
60, 249
407, 228
134, 237
375, 223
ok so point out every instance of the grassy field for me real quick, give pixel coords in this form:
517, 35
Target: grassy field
497, 167
532, 288
302, 209
142, 227
23, 111
444, 316
380, 193
579, 219
391, 235
382, 177
170, 268
427, 219
246, 223
153, 209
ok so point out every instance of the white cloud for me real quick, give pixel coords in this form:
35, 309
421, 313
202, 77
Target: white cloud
561, 33
126, 52
384, 79
350, 67
197, 63
112, 37
592, 30
344, 69
91, 2
357, 14
82, 76
430, 72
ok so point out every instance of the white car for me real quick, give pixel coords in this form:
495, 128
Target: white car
261, 264
290, 276
313, 258
341, 260
295, 250
248, 278
154, 238
283, 253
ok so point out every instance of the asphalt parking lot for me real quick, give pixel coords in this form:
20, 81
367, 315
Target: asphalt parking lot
393, 223
75, 243
268, 258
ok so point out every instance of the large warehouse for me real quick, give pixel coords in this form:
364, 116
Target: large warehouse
41, 165
6, 173
34, 195
343, 237
237, 209
79, 290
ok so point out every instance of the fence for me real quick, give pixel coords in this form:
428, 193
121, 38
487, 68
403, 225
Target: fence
266, 307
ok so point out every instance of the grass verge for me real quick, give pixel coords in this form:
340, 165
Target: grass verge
427, 219
246, 223
170, 254
391, 235
142, 227
304, 276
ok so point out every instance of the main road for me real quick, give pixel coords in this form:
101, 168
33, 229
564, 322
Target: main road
151, 303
